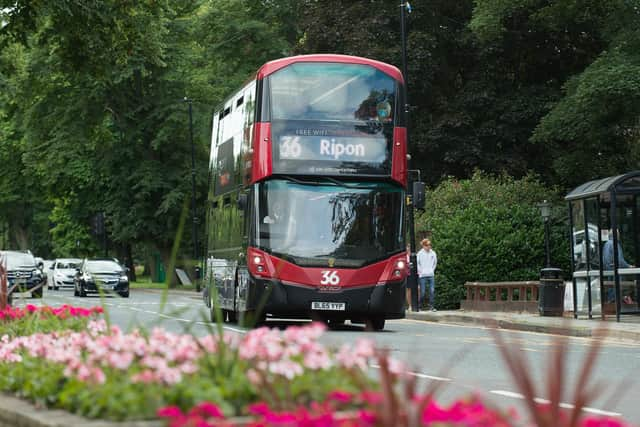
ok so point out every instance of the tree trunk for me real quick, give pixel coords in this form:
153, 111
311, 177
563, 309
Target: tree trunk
19, 236
128, 259
151, 268
170, 276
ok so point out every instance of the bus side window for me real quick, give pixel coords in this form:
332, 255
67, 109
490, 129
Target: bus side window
248, 220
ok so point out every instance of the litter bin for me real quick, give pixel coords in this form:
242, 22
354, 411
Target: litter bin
551, 292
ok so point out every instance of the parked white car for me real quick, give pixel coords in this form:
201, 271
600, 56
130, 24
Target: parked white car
63, 271
580, 245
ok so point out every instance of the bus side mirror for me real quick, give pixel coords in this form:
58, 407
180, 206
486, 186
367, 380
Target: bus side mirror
242, 201
418, 195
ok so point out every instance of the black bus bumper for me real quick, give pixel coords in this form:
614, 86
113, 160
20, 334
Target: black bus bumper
292, 301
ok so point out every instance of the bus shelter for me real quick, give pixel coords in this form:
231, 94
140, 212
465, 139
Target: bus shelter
605, 245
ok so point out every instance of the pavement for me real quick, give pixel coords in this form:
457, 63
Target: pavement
627, 329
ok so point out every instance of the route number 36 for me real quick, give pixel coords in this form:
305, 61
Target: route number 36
290, 147
329, 277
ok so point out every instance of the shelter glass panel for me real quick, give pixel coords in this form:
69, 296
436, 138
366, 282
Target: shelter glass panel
591, 243
629, 288
582, 291
625, 215
578, 236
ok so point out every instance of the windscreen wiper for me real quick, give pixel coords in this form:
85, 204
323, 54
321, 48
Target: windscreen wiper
328, 178
346, 184
301, 181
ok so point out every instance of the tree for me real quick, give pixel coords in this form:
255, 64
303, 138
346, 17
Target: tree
589, 48
22, 201
103, 121
102, 124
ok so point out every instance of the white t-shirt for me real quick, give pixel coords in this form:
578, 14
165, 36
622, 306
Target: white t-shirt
427, 262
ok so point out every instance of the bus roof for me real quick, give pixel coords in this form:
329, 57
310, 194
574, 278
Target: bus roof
275, 65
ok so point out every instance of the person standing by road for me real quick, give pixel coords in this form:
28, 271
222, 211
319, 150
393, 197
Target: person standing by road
608, 264
607, 253
427, 262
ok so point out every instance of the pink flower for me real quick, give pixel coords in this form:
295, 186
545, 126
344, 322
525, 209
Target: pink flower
207, 409
260, 408
341, 396
373, 398
254, 377
603, 422
170, 412
368, 418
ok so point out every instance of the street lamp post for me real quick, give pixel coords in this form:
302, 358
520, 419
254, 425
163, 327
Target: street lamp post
412, 280
545, 212
193, 194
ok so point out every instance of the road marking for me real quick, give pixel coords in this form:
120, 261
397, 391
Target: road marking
562, 405
621, 342
416, 374
166, 316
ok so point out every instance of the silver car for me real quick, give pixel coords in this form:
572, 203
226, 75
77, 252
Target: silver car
63, 271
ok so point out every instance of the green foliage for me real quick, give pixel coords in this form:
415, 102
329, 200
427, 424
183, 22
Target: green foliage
585, 51
597, 122
489, 229
70, 237
92, 117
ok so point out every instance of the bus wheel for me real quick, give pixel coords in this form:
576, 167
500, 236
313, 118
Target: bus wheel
374, 324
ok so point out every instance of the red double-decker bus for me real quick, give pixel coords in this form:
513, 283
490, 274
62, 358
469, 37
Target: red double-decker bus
308, 176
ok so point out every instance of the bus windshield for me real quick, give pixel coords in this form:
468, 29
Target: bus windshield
332, 91
308, 224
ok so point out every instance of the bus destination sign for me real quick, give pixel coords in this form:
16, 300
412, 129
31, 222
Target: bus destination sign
350, 149
318, 151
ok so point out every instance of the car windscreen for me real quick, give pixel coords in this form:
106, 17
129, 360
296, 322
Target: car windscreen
103, 267
67, 265
350, 225
19, 260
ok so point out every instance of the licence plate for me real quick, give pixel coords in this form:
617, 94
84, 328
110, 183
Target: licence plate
322, 305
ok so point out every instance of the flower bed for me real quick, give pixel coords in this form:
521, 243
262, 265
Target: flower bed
16, 321
103, 372
274, 378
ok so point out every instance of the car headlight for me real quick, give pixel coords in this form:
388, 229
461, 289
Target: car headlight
124, 278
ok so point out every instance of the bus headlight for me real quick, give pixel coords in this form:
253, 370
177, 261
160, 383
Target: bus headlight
258, 264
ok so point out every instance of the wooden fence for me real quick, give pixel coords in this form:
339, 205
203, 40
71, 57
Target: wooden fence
501, 296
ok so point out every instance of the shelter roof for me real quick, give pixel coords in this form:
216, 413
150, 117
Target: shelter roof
627, 181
